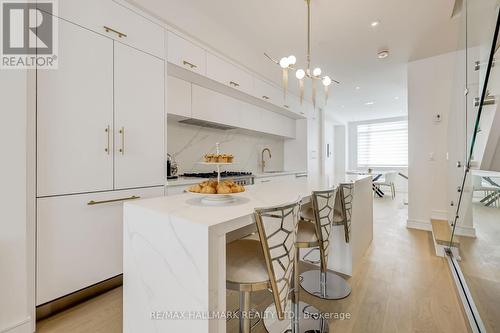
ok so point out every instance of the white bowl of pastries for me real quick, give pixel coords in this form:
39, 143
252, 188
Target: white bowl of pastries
213, 192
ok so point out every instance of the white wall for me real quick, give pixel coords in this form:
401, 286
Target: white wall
339, 149
431, 91
190, 143
14, 282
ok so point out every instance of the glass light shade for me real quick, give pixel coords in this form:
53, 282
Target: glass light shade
300, 73
284, 62
292, 60
327, 81
317, 71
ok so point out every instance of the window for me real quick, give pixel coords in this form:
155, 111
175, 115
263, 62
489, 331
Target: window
382, 144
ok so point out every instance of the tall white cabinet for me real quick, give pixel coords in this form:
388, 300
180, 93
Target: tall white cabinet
75, 116
100, 142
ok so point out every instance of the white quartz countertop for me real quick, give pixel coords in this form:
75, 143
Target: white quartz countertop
277, 174
188, 207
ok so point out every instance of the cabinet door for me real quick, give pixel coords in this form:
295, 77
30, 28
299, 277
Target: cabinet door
228, 74
278, 124
79, 244
268, 92
185, 54
178, 97
75, 115
212, 106
135, 29
139, 118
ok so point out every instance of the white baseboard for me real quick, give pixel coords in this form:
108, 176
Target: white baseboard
466, 231
20, 327
439, 215
419, 224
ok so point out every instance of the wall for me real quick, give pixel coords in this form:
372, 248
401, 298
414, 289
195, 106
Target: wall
339, 149
14, 282
189, 143
431, 91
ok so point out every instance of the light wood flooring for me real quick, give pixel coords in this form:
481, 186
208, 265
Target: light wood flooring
401, 287
480, 264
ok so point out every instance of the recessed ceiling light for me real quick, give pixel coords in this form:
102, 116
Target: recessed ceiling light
396, 98
369, 103
383, 54
375, 23
342, 106
357, 88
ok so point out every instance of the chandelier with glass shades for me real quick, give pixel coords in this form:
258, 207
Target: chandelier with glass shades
289, 64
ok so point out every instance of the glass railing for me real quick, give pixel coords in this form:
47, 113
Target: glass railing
476, 182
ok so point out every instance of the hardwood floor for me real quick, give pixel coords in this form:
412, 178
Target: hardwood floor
480, 264
401, 287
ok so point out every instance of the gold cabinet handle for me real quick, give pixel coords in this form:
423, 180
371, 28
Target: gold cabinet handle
107, 130
265, 97
120, 34
122, 133
93, 202
187, 63
286, 106
234, 84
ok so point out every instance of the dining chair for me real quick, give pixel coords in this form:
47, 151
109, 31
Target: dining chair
388, 181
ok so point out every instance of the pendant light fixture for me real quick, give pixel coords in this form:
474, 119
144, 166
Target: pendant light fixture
288, 64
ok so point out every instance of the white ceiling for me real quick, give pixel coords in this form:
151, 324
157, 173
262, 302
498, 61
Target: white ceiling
344, 44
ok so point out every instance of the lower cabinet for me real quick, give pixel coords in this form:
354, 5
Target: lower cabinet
79, 240
274, 179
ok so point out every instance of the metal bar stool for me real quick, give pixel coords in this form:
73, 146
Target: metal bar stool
327, 210
269, 264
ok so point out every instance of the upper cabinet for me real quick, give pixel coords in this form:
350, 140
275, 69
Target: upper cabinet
178, 97
117, 22
228, 74
268, 92
100, 116
185, 54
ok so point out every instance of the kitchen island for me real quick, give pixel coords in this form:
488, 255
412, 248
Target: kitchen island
175, 251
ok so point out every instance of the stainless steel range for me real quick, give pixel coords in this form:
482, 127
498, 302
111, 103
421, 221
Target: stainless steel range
239, 177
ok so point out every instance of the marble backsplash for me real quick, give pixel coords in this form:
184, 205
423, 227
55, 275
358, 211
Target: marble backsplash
188, 144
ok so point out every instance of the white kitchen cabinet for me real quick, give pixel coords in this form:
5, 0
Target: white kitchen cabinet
215, 107
274, 179
117, 22
229, 74
293, 104
251, 117
183, 53
75, 115
268, 92
139, 118
80, 243
82, 108
178, 97
278, 124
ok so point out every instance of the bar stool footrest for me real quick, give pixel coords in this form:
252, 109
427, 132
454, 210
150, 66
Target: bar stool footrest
310, 320
336, 286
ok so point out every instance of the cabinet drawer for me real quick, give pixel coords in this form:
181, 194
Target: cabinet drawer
228, 74
185, 54
79, 244
95, 15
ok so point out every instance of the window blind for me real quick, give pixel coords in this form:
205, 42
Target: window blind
382, 144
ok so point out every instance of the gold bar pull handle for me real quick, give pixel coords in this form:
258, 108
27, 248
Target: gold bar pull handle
234, 84
93, 202
265, 97
122, 133
120, 34
187, 63
107, 130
